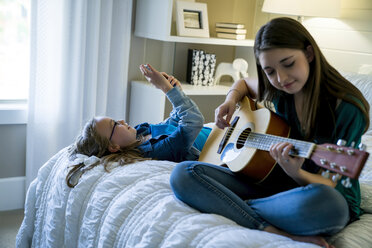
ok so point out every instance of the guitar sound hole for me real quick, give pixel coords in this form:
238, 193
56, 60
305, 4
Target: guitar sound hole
242, 138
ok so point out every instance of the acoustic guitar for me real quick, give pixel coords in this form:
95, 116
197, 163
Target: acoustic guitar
244, 146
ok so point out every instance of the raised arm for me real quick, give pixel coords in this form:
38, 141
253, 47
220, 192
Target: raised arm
185, 116
242, 87
188, 121
160, 80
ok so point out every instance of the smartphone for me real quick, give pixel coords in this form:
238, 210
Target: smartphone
148, 67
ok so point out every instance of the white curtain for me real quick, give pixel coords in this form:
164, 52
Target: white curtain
79, 69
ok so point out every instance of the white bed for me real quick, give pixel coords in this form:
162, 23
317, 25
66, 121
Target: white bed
133, 206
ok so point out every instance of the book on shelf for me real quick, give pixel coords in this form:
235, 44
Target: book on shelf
231, 36
231, 30
229, 25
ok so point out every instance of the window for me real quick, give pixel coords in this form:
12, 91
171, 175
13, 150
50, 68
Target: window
14, 49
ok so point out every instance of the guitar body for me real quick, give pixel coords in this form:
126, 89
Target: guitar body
254, 163
244, 146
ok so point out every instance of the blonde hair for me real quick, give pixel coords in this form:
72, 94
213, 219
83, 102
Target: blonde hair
90, 143
288, 33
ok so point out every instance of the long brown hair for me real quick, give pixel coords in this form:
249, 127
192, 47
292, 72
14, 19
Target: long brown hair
90, 143
288, 33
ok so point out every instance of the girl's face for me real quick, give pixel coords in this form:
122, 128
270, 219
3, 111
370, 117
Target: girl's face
287, 69
121, 133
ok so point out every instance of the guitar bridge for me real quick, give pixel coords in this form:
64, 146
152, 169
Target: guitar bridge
227, 135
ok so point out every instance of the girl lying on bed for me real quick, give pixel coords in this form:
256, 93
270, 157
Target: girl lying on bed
320, 106
180, 137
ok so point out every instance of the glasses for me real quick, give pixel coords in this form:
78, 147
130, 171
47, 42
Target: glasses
113, 129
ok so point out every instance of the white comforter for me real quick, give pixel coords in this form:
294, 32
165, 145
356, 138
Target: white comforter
133, 206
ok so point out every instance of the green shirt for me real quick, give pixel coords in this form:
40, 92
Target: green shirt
348, 124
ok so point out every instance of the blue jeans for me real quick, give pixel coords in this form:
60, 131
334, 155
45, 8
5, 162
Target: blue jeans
315, 209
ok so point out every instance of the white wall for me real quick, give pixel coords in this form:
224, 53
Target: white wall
346, 41
12, 165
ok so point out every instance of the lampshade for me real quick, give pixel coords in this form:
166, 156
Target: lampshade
319, 8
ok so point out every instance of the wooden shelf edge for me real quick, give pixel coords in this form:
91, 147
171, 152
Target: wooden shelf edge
197, 40
193, 90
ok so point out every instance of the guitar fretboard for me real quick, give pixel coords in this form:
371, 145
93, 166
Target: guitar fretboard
264, 141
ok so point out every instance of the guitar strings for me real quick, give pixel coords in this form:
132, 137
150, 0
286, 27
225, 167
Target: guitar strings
264, 141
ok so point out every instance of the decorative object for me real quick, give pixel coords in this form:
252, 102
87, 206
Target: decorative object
300, 8
192, 19
231, 30
227, 30
229, 25
237, 69
200, 67
231, 36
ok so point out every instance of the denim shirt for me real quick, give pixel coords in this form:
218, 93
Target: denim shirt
173, 138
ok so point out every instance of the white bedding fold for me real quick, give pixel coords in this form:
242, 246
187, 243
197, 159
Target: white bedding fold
133, 206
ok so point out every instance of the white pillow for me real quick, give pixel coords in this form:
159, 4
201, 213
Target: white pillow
365, 178
366, 191
364, 83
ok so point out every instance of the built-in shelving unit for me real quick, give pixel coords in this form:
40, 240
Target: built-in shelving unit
154, 20
195, 40
192, 90
149, 104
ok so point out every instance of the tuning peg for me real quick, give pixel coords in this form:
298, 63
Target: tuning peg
325, 174
352, 144
335, 177
339, 149
323, 161
341, 142
330, 148
333, 165
362, 147
350, 152
346, 183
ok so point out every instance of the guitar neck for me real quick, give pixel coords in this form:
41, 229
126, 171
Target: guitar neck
264, 141
259, 130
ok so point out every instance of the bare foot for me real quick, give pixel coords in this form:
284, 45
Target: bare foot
318, 240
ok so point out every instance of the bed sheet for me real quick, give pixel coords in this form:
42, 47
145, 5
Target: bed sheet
134, 206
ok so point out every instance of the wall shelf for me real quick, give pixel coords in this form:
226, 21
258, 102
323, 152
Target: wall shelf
193, 90
149, 104
154, 21
195, 40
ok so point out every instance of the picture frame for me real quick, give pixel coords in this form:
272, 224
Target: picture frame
192, 19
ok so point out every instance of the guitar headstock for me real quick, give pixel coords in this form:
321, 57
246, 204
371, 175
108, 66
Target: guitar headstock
342, 160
